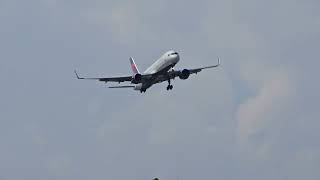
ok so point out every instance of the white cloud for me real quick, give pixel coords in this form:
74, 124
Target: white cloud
123, 20
272, 100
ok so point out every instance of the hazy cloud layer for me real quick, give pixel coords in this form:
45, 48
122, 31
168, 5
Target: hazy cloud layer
255, 117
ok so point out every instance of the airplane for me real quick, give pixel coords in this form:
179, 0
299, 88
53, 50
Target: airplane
160, 71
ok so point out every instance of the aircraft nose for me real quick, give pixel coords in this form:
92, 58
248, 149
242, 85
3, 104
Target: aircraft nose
175, 54
177, 57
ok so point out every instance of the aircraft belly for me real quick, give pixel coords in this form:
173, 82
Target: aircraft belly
146, 85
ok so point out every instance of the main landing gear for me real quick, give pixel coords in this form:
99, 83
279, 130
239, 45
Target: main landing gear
143, 90
169, 87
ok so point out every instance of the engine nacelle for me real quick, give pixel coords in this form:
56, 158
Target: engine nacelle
138, 87
136, 78
184, 74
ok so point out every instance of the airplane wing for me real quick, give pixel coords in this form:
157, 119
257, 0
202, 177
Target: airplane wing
108, 79
192, 71
184, 74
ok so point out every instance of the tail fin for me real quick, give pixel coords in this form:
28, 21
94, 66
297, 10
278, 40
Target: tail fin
134, 67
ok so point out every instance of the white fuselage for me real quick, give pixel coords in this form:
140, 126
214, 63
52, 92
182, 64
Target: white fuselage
164, 63
169, 59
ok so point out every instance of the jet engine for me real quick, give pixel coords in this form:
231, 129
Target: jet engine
138, 87
137, 78
184, 74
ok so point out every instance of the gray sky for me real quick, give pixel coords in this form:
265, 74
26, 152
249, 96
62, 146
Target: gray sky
256, 117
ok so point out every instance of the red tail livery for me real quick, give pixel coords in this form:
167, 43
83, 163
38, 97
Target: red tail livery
134, 67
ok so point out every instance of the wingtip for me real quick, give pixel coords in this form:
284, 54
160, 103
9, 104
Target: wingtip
218, 61
78, 77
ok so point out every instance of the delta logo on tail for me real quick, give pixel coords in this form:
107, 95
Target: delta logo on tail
134, 67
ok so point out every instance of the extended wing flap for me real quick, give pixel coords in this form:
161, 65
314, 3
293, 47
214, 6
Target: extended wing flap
116, 79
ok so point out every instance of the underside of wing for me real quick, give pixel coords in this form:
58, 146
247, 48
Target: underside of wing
196, 70
185, 73
107, 79
116, 79
120, 87
135, 79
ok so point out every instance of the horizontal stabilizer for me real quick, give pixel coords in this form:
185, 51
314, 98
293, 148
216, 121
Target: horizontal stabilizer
114, 87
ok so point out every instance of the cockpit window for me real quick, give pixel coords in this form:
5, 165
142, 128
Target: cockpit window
175, 53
